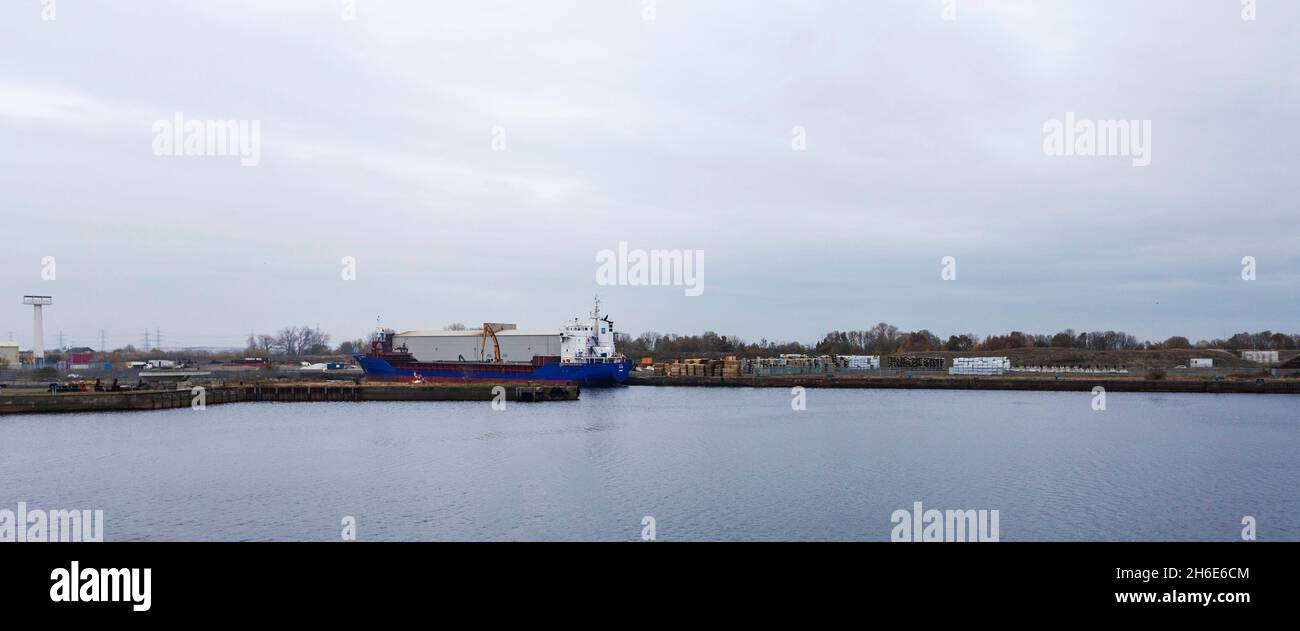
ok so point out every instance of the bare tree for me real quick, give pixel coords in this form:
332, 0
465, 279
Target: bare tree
885, 337
301, 340
286, 341
313, 341
351, 347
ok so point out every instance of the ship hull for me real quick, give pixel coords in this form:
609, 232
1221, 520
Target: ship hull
583, 374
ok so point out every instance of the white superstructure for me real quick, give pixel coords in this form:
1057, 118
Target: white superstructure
588, 340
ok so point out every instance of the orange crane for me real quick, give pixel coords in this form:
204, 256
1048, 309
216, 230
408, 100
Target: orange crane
496, 346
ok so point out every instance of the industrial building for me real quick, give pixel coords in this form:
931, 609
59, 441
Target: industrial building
1290, 368
79, 358
9, 356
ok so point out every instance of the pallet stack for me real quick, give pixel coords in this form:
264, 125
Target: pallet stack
696, 367
729, 367
979, 366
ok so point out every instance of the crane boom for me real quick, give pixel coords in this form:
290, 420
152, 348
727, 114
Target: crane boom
496, 346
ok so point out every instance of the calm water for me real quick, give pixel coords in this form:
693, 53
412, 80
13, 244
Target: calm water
712, 464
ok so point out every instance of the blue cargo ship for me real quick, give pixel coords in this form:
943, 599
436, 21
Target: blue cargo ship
582, 352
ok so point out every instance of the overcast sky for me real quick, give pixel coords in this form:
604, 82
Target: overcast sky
924, 139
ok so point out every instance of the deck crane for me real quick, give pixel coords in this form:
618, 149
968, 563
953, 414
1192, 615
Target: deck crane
489, 331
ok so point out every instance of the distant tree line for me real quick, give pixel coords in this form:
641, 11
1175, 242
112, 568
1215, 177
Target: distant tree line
708, 343
887, 339
291, 340
881, 339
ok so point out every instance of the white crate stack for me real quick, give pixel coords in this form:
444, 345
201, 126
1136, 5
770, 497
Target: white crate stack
860, 362
979, 366
1260, 357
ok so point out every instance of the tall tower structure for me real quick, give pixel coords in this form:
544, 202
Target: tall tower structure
38, 326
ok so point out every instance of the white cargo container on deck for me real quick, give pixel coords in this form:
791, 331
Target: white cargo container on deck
516, 345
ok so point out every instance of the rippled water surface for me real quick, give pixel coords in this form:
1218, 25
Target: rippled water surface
707, 464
